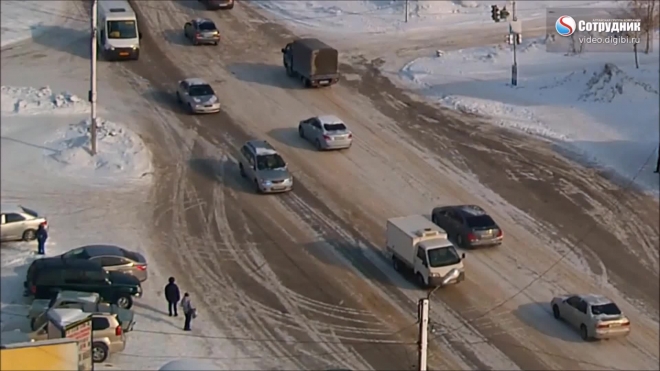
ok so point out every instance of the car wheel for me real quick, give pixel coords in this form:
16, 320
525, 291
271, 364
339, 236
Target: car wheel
420, 280
178, 97
29, 235
318, 144
555, 312
395, 264
256, 186
241, 170
584, 334
301, 131
125, 302
459, 240
215, 43
99, 352
190, 109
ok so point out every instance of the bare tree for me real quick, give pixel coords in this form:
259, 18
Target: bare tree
648, 12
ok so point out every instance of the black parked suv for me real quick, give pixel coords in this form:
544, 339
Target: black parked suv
47, 276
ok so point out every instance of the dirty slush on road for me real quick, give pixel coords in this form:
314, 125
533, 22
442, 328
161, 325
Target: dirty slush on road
243, 251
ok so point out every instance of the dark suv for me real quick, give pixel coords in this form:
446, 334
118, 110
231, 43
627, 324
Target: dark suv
47, 276
468, 225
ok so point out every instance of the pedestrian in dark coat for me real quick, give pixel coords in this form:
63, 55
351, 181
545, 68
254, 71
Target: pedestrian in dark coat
172, 296
188, 311
42, 236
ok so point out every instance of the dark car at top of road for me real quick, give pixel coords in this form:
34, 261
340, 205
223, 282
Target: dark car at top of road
468, 225
217, 4
112, 258
201, 31
47, 276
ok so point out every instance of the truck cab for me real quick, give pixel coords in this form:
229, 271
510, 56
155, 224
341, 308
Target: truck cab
118, 35
435, 259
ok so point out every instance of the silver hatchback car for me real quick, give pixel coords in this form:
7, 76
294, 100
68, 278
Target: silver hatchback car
260, 163
197, 96
19, 223
326, 132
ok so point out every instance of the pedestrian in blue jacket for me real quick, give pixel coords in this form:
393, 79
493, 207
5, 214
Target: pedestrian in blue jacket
42, 236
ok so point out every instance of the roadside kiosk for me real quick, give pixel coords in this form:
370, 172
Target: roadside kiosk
73, 324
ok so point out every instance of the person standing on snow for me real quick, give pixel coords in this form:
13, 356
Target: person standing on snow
172, 296
188, 311
42, 236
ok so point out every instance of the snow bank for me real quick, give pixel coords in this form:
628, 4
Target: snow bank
35, 101
119, 152
25, 19
597, 105
65, 138
378, 16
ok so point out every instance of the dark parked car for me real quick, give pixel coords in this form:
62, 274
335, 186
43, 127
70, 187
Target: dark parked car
468, 225
46, 277
112, 258
217, 4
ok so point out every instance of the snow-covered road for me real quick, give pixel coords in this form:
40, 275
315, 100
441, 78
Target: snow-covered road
298, 280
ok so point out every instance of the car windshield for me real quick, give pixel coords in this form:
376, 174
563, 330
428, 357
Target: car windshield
481, 222
200, 90
270, 162
122, 30
78, 253
334, 127
443, 256
207, 26
608, 309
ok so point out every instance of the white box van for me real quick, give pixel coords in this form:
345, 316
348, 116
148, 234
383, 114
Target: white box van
118, 34
416, 243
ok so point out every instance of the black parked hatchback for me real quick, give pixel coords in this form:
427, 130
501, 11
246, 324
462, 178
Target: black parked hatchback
468, 225
47, 276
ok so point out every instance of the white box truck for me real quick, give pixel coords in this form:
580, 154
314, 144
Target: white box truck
118, 36
415, 243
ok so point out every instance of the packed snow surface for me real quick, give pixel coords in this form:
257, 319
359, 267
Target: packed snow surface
25, 19
597, 105
57, 125
383, 16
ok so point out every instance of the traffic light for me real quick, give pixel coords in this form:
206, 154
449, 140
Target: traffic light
495, 13
518, 38
504, 14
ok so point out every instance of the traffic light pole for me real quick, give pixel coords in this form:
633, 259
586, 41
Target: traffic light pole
514, 68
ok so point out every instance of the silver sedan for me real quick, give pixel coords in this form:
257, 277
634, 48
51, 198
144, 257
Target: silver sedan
326, 132
197, 96
595, 316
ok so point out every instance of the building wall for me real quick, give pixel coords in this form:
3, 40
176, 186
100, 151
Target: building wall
45, 357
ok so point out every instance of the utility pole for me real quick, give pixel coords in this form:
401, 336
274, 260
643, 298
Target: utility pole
406, 7
514, 68
92, 79
423, 307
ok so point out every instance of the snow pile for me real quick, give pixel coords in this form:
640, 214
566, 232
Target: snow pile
611, 83
597, 105
119, 151
33, 101
377, 16
24, 19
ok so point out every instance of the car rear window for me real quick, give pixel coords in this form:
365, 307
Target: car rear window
30, 212
131, 255
207, 26
200, 90
608, 309
481, 222
334, 127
